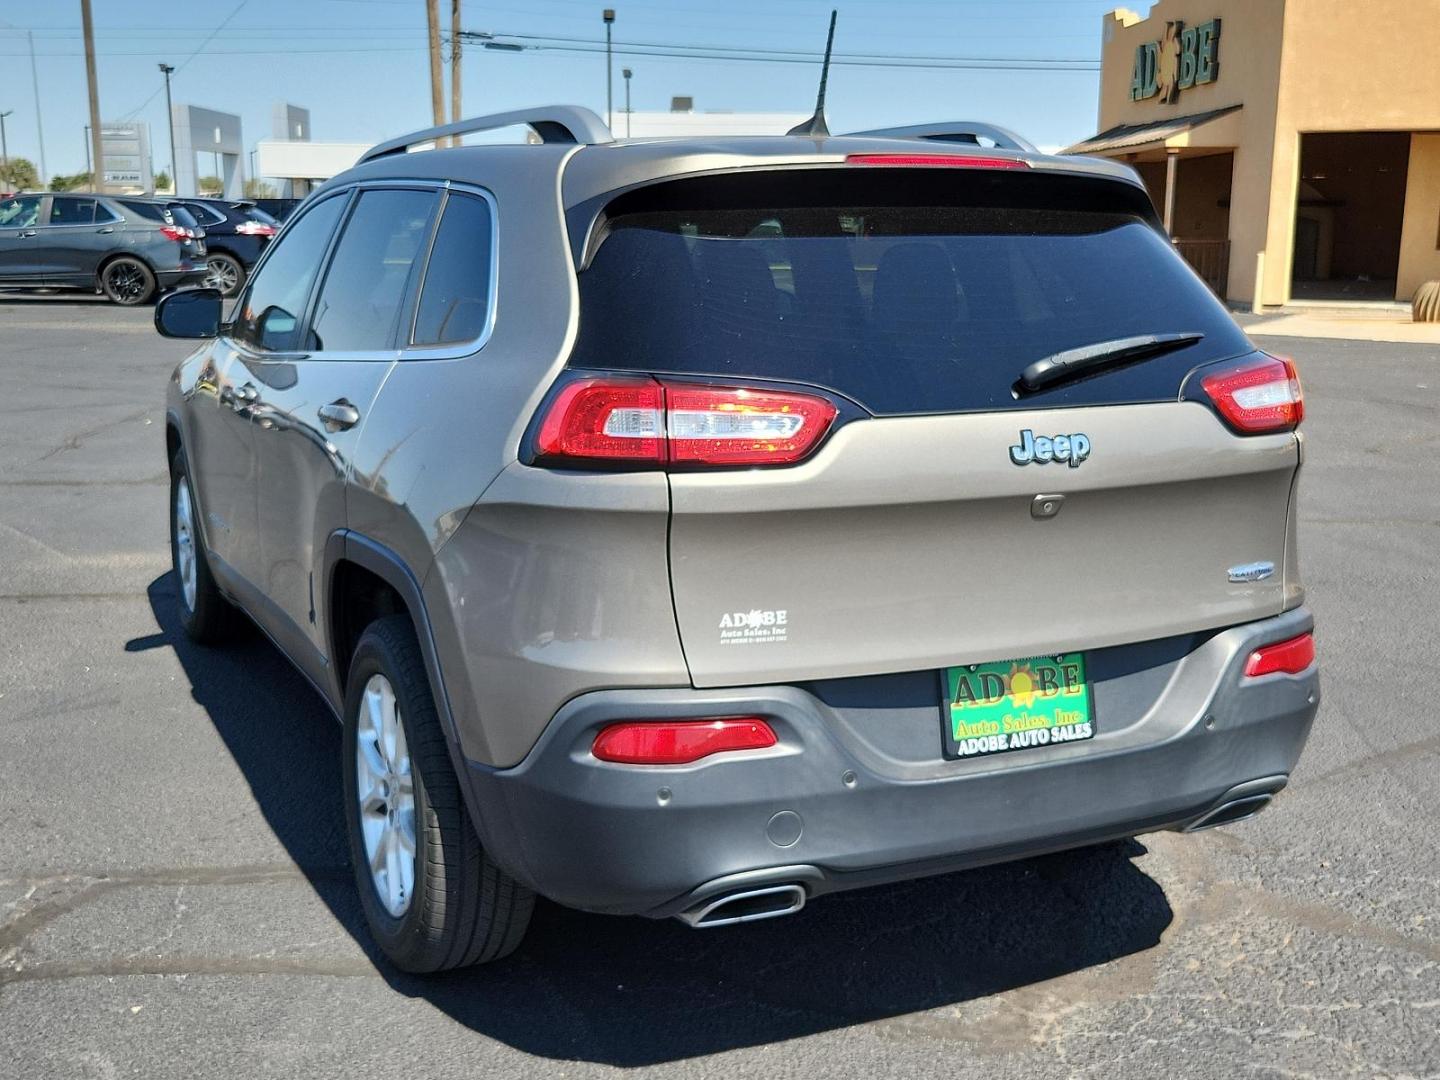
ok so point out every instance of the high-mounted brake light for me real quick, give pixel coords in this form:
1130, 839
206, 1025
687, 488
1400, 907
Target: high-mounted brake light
647, 423
255, 228
1291, 657
1258, 396
679, 742
951, 161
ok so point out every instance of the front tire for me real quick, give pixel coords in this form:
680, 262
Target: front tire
205, 614
127, 281
432, 897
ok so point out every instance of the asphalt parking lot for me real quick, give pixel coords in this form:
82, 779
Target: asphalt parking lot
175, 899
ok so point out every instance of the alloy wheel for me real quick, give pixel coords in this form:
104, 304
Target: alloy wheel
185, 542
385, 789
221, 274
126, 282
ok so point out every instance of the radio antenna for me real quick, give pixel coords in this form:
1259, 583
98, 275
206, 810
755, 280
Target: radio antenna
816, 127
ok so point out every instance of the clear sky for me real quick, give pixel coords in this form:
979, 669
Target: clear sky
360, 66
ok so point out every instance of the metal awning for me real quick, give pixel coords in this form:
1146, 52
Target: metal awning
1158, 134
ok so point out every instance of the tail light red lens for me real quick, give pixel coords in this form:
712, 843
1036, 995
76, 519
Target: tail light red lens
679, 742
650, 423
1258, 396
1291, 657
619, 420
175, 232
944, 161
255, 228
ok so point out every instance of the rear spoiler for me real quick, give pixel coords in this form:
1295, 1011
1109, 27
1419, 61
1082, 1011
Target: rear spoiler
956, 131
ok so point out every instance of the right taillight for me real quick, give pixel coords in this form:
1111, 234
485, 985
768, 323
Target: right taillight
1258, 396
621, 421
1290, 657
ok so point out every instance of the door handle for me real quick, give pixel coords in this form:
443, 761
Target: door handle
27, 232
339, 415
106, 229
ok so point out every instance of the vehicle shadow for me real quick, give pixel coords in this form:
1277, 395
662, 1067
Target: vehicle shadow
631, 992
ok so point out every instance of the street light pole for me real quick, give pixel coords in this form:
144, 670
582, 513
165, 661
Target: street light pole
92, 84
39, 124
4, 149
626, 73
609, 16
167, 71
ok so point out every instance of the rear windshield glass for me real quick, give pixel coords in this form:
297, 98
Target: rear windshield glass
904, 309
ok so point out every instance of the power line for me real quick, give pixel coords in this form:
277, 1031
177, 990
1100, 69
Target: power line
198, 49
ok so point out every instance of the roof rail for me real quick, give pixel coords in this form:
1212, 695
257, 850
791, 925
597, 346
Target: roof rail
960, 131
553, 123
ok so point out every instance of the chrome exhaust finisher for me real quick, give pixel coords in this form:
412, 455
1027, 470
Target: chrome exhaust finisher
750, 905
1232, 811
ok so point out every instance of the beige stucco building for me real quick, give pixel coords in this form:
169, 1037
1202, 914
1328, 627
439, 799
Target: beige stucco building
1297, 141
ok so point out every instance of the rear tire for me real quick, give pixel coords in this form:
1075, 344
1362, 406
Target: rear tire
224, 272
127, 281
205, 615
434, 900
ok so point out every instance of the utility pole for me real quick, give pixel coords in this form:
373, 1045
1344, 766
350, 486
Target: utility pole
95, 143
167, 71
627, 73
437, 89
609, 16
88, 168
4, 150
39, 127
455, 50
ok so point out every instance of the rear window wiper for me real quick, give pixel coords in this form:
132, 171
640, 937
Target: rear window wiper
1072, 364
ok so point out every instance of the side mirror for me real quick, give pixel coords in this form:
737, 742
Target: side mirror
189, 313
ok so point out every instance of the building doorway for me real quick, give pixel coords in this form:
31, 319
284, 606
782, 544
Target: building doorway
1348, 216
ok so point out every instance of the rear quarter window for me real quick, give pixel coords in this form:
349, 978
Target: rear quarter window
924, 304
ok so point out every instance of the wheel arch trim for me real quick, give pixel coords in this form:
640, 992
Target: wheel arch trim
346, 545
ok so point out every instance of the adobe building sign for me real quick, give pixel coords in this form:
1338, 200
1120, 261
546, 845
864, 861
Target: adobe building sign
1185, 56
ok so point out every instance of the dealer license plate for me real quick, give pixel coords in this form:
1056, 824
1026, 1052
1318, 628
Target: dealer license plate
1016, 705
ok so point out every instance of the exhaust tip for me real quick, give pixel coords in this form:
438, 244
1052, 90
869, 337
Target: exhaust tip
751, 905
1232, 811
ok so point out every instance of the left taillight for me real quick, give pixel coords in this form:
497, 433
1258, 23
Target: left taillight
1257, 396
652, 423
175, 232
255, 228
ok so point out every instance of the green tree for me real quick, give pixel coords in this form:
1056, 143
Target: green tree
256, 188
80, 181
211, 185
162, 181
18, 174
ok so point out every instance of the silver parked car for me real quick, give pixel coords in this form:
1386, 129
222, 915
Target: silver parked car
128, 247
695, 527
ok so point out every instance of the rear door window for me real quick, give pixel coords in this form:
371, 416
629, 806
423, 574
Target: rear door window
71, 210
455, 301
359, 305
903, 308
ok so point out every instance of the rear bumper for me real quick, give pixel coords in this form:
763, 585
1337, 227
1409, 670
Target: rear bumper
829, 811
